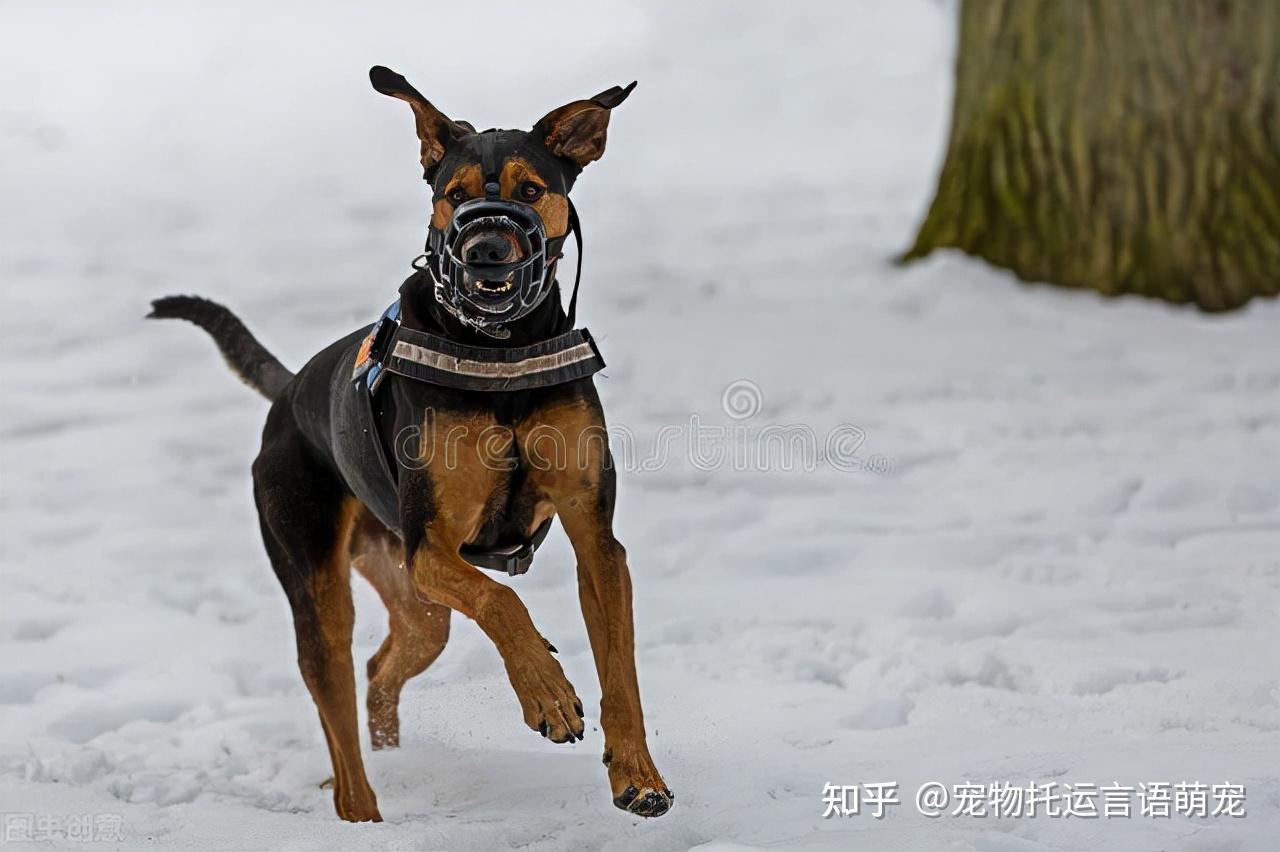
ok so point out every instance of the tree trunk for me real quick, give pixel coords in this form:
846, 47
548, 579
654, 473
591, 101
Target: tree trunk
1131, 146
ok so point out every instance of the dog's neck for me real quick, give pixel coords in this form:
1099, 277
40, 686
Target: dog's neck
419, 310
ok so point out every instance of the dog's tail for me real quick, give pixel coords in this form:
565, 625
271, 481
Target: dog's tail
250, 360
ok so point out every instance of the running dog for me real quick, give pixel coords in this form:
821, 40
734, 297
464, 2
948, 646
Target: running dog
442, 440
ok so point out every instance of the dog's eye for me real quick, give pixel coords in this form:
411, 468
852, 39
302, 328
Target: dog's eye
456, 196
530, 191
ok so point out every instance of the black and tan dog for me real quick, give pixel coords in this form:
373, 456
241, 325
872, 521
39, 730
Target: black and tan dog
449, 494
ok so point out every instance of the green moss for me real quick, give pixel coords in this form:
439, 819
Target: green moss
1118, 146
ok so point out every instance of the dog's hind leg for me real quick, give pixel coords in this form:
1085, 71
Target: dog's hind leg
306, 522
418, 629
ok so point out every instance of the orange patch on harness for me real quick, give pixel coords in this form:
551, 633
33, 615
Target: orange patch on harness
362, 357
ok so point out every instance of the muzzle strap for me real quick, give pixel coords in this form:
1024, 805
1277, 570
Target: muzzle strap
488, 142
576, 227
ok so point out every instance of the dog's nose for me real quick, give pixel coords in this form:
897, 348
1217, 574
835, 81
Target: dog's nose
487, 250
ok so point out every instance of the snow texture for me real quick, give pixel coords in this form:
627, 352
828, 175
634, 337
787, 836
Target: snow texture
1064, 567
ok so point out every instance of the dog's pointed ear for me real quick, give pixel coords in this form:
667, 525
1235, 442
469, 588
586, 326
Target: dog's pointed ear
435, 129
577, 130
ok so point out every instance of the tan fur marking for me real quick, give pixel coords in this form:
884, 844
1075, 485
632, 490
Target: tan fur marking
542, 510
467, 177
552, 207
463, 456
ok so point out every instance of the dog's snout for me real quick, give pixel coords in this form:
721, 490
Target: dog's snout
488, 249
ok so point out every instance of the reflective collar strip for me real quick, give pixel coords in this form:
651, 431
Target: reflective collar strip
493, 369
429, 358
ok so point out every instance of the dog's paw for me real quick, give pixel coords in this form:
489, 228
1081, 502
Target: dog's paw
637, 786
646, 802
547, 700
356, 806
360, 814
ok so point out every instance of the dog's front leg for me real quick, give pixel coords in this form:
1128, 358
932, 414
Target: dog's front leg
604, 589
547, 699
442, 507
581, 484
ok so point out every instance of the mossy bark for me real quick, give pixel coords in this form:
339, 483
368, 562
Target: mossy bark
1130, 146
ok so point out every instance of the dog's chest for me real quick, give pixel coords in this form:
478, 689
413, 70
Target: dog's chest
469, 455
478, 470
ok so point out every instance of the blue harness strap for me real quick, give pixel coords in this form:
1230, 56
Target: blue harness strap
368, 364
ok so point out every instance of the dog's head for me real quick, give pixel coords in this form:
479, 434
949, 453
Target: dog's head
534, 167
500, 201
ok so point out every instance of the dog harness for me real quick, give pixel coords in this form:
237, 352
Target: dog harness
392, 349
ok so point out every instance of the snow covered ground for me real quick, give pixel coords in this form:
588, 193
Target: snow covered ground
1070, 570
